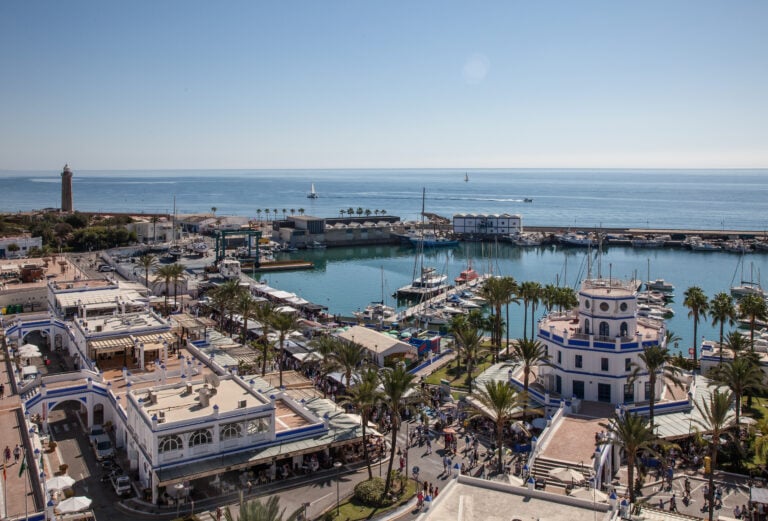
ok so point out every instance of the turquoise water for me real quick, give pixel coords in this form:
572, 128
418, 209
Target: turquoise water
347, 279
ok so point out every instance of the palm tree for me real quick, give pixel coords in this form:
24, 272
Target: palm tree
245, 307
498, 402
722, 310
741, 376
753, 308
396, 383
147, 262
213, 210
258, 213
736, 342
264, 313
177, 272
761, 441
283, 323
293, 211
166, 273
364, 396
497, 291
535, 299
716, 420
225, 298
468, 339
325, 347
656, 361
549, 297
566, 299
632, 433
348, 357
301, 211
525, 291
671, 338
696, 301
457, 326
255, 510
530, 353
154, 220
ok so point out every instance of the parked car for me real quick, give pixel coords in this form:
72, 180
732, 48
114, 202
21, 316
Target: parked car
102, 447
121, 484
106, 267
96, 431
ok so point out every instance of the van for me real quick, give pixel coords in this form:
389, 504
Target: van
106, 267
102, 447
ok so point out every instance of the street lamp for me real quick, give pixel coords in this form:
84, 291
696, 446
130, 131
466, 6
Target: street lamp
337, 466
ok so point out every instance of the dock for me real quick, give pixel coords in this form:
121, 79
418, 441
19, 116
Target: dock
412, 311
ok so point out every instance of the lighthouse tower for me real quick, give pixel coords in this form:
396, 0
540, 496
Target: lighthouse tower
66, 190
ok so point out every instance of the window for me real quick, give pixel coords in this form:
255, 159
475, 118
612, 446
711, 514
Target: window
170, 443
647, 390
623, 306
586, 327
201, 437
578, 361
605, 329
603, 364
231, 431
558, 384
604, 306
627, 364
623, 329
629, 393
586, 304
559, 357
257, 426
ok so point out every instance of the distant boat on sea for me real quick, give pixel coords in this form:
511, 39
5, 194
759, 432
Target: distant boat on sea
466, 177
312, 194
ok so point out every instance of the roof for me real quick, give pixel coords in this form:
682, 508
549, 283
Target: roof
375, 342
681, 424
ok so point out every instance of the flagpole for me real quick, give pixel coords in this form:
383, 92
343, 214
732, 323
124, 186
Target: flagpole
5, 492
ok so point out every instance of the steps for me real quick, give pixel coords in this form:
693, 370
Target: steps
542, 466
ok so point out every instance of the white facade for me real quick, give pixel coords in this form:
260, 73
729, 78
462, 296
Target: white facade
593, 353
487, 224
24, 242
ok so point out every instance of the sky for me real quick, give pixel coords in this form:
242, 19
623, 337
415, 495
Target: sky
164, 84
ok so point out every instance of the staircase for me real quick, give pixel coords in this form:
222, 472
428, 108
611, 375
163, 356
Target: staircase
542, 466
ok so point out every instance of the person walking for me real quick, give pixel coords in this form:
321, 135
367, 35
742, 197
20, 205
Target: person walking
2, 390
7, 453
16, 453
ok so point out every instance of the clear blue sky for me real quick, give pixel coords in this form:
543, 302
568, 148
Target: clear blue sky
324, 84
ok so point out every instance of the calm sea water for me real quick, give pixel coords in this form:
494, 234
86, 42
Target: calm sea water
710, 199
346, 279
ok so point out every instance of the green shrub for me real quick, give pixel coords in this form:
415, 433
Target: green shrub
370, 492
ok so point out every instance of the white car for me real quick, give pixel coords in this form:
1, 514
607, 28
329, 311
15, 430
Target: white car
106, 267
102, 447
121, 484
96, 431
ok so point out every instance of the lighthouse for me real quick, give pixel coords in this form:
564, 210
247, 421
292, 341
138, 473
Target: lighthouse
66, 190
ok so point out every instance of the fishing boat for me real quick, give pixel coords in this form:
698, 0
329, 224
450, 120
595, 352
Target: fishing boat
581, 239
375, 312
467, 275
527, 239
312, 194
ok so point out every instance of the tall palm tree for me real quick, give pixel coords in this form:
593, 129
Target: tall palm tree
177, 274
741, 376
549, 296
761, 441
633, 434
722, 311
524, 293
715, 419
225, 298
753, 308
671, 338
736, 342
656, 361
535, 299
696, 301
166, 273
325, 347
245, 307
470, 338
530, 353
364, 396
396, 383
498, 403
255, 510
456, 326
263, 314
283, 323
348, 357
566, 298
498, 291
147, 262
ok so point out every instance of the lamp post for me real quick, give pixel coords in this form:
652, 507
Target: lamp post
337, 466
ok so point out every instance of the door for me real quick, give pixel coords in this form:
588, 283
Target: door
578, 389
558, 384
604, 393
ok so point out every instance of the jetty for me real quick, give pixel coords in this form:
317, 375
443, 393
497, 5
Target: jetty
413, 311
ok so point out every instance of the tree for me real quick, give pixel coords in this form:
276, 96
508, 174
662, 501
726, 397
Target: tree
753, 308
396, 383
633, 434
736, 342
348, 357
255, 510
224, 299
166, 273
497, 291
177, 272
258, 214
715, 420
293, 211
245, 307
301, 211
147, 262
741, 376
722, 311
364, 396
498, 403
325, 346
530, 353
264, 313
525, 292
468, 339
656, 361
283, 323
696, 301
213, 210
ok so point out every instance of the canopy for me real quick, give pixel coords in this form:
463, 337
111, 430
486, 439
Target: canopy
59, 482
590, 494
566, 474
74, 504
758, 495
30, 351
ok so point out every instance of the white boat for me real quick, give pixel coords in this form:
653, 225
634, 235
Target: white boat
749, 287
375, 312
703, 245
659, 285
314, 245
432, 240
312, 194
229, 268
527, 239
650, 242
198, 247
466, 177
582, 239
428, 284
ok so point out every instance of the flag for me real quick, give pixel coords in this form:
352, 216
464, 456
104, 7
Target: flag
23, 465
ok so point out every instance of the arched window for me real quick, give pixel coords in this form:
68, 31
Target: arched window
623, 329
604, 329
231, 431
201, 437
257, 426
170, 443
586, 326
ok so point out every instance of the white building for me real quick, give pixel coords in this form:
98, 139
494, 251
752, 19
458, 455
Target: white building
487, 224
24, 242
593, 351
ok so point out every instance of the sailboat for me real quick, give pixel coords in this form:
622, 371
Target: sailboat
312, 194
747, 287
466, 177
429, 239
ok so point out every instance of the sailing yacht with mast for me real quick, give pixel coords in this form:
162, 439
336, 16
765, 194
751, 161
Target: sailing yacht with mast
312, 194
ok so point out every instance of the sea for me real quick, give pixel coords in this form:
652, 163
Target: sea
349, 278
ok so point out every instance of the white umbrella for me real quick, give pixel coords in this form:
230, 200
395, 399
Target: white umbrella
74, 504
590, 494
29, 351
746, 420
59, 482
566, 475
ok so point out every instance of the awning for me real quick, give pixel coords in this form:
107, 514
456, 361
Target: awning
111, 345
758, 495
